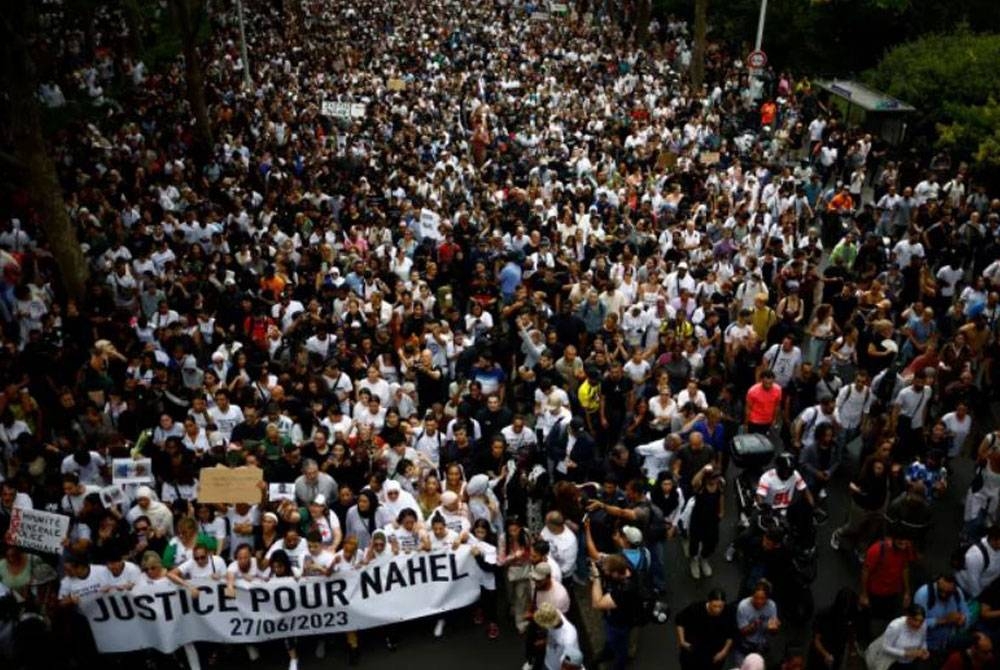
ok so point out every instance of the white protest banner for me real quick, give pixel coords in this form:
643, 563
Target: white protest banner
358, 110
408, 586
131, 470
38, 530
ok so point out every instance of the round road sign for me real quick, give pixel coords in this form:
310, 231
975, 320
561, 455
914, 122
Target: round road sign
757, 59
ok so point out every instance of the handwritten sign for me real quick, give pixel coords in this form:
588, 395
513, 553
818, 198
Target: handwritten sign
37, 530
708, 157
343, 110
230, 485
132, 470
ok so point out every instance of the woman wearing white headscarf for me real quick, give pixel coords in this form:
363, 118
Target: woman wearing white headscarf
483, 502
396, 500
146, 504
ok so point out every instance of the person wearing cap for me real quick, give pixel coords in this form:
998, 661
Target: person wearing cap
561, 638
613, 593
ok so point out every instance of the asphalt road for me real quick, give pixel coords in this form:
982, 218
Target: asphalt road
465, 645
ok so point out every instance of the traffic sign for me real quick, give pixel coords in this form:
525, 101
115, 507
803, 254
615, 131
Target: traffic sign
757, 59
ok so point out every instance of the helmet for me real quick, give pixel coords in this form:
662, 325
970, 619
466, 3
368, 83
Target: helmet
784, 465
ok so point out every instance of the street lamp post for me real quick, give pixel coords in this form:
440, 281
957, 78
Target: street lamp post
760, 24
243, 46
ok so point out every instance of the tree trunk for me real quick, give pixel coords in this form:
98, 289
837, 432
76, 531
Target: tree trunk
39, 171
698, 53
133, 20
643, 13
188, 13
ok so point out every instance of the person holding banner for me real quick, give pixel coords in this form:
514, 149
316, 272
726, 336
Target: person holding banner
244, 570
156, 579
441, 538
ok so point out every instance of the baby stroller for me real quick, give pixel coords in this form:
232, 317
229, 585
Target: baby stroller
751, 454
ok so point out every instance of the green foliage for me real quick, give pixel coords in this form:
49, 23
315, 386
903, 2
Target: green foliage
974, 132
835, 37
938, 71
954, 83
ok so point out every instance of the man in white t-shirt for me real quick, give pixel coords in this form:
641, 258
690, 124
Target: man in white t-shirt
778, 486
563, 545
225, 415
88, 465
82, 579
318, 561
293, 545
783, 360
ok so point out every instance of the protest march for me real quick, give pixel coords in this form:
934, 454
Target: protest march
510, 321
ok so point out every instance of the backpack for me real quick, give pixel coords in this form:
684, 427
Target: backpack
958, 556
641, 584
656, 531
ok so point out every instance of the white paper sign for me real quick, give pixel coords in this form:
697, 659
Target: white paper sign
132, 470
281, 491
398, 588
343, 110
38, 530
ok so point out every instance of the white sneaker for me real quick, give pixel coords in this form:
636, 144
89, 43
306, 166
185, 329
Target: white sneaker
730, 553
439, 628
706, 568
822, 494
321, 649
293, 664
253, 652
696, 568
528, 665
835, 540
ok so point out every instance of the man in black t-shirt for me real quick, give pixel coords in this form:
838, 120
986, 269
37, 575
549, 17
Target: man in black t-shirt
705, 632
616, 396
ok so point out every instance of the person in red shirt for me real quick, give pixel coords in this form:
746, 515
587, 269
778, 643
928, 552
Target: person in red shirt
763, 404
768, 113
885, 579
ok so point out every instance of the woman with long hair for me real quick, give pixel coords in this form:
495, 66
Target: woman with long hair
514, 558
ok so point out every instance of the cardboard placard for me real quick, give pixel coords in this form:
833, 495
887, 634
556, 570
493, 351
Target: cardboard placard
132, 470
708, 157
230, 485
396, 84
37, 530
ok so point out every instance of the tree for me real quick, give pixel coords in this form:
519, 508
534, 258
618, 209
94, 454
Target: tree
189, 14
700, 38
953, 82
31, 156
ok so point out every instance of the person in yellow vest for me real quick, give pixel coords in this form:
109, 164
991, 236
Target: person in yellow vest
762, 317
589, 395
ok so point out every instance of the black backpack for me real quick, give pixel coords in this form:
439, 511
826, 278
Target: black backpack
647, 608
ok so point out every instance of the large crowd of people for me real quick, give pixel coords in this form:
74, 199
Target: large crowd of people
529, 294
